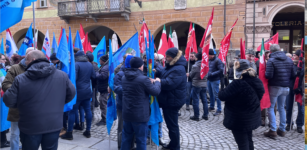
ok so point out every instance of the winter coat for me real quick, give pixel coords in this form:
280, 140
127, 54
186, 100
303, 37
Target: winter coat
84, 74
279, 69
242, 102
103, 78
195, 76
257, 66
14, 71
173, 83
40, 95
230, 73
157, 66
118, 88
301, 76
190, 68
136, 89
215, 69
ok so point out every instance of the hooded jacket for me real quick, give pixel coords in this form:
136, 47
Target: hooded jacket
279, 69
242, 102
103, 78
40, 95
173, 83
136, 90
195, 76
14, 71
215, 69
84, 74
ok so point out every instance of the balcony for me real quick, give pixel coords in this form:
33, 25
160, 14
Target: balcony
252, 1
93, 9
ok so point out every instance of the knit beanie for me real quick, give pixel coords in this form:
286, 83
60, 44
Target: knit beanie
53, 57
172, 52
211, 52
90, 57
104, 58
250, 51
298, 53
136, 62
127, 61
241, 65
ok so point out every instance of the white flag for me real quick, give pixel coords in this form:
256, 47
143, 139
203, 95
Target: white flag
10, 46
46, 45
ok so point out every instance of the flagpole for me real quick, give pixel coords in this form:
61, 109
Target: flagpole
33, 24
189, 60
292, 113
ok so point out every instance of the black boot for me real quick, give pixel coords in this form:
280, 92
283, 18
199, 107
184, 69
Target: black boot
101, 123
5, 144
87, 134
77, 127
67, 136
82, 125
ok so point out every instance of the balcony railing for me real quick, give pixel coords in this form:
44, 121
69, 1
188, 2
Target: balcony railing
92, 7
251, 1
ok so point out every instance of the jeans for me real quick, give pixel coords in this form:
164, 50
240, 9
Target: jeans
203, 96
171, 120
140, 130
213, 87
81, 112
48, 141
86, 104
244, 140
14, 143
300, 114
278, 94
189, 88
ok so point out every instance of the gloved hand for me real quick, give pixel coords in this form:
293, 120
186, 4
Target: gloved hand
297, 91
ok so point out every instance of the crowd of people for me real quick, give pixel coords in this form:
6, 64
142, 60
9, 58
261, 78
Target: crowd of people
37, 117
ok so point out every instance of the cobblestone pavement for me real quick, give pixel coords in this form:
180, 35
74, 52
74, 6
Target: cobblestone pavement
201, 135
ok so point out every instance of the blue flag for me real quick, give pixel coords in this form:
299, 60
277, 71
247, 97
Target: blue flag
54, 48
100, 50
131, 47
155, 115
111, 105
78, 43
27, 42
2, 47
63, 53
12, 12
3, 109
72, 71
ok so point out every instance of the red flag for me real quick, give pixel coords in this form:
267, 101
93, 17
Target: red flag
61, 35
89, 46
225, 43
242, 49
163, 46
191, 44
86, 43
298, 97
267, 43
170, 41
205, 46
143, 34
265, 101
82, 35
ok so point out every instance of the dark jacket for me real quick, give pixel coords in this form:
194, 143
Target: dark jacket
242, 103
157, 66
190, 68
173, 83
257, 65
279, 69
215, 69
118, 88
300, 75
103, 78
40, 95
136, 91
84, 74
195, 76
230, 73
14, 71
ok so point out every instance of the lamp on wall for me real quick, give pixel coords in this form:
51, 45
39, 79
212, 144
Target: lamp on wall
139, 2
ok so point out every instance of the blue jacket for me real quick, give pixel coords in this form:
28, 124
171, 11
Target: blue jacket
173, 83
84, 74
118, 88
215, 69
279, 69
136, 90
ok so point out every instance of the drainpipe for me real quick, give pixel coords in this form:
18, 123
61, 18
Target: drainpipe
224, 17
254, 28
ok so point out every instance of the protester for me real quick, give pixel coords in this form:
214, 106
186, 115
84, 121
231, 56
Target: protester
136, 88
250, 56
257, 56
2, 60
214, 77
76, 50
121, 65
279, 70
84, 74
230, 72
290, 97
173, 93
94, 102
16, 59
102, 82
56, 61
242, 104
266, 57
199, 87
36, 127
188, 69
7, 63
13, 115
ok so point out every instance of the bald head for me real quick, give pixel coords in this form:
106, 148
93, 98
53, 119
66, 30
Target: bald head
34, 55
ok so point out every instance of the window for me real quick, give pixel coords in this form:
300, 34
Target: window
180, 4
42, 3
283, 35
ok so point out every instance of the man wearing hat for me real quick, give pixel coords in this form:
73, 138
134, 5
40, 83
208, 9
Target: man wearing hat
279, 71
250, 56
55, 61
173, 93
136, 88
216, 67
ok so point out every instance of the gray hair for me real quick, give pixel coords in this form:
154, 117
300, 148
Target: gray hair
274, 48
289, 55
